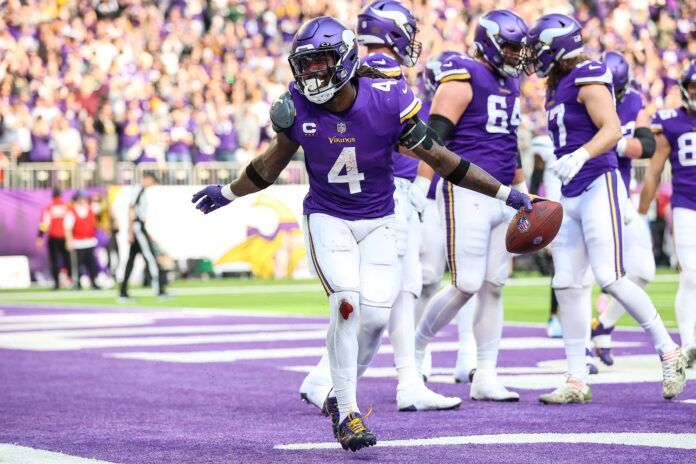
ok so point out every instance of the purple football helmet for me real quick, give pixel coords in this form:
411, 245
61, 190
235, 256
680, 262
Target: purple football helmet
388, 22
496, 31
688, 77
323, 58
432, 69
620, 71
552, 38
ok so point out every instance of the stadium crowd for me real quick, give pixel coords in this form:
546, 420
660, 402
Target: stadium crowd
193, 80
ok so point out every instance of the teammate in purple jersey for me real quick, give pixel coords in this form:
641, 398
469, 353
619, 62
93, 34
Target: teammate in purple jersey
585, 130
476, 111
433, 250
676, 139
348, 122
637, 141
388, 30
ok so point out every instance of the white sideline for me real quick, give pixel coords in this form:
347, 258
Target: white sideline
15, 454
657, 440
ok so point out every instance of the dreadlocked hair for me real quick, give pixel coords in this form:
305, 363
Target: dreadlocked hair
562, 68
370, 72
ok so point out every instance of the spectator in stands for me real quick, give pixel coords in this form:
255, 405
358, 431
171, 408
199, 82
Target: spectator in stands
206, 139
180, 137
67, 142
52, 225
129, 143
108, 131
80, 225
227, 133
40, 141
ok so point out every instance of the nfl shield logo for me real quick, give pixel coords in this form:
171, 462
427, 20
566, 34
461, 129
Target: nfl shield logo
523, 224
341, 127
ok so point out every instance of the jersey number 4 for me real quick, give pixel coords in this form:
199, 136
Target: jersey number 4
352, 177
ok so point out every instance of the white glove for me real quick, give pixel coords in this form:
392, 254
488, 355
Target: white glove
566, 167
417, 198
629, 214
621, 147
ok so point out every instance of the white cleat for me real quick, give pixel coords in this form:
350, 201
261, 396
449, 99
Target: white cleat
673, 373
316, 387
486, 387
421, 398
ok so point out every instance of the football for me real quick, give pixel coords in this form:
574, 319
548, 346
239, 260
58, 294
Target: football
531, 231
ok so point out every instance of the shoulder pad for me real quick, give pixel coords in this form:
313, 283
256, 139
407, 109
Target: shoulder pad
591, 72
456, 68
283, 112
383, 63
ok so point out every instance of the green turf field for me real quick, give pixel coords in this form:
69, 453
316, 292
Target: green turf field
526, 298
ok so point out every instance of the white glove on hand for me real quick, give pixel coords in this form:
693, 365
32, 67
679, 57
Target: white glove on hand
566, 167
621, 147
417, 198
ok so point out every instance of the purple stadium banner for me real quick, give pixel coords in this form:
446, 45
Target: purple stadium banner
20, 215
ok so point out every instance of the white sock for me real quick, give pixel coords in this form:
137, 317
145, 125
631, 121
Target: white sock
575, 321
488, 325
439, 312
639, 305
342, 345
427, 292
402, 335
685, 307
373, 321
615, 310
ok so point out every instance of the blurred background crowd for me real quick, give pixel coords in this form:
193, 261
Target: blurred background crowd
193, 80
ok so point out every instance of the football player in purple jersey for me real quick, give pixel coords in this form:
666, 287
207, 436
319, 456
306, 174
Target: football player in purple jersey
676, 140
348, 120
638, 141
585, 129
432, 253
388, 30
476, 111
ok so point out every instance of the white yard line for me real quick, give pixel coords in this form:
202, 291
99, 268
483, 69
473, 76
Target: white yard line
656, 440
15, 454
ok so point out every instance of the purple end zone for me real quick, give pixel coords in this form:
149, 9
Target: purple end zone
86, 403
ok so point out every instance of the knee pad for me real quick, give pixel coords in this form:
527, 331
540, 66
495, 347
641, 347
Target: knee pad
562, 280
373, 318
345, 304
605, 275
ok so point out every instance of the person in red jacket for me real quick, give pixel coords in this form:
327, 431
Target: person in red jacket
52, 225
81, 238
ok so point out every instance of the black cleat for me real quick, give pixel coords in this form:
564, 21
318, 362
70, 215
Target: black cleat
353, 434
331, 410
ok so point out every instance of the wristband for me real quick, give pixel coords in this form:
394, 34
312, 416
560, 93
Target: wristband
226, 192
503, 193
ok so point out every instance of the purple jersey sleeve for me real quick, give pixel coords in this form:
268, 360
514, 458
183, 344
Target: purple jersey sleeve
384, 63
591, 72
456, 68
409, 105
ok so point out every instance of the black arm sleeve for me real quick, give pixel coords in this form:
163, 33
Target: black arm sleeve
443, 127
647, 141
